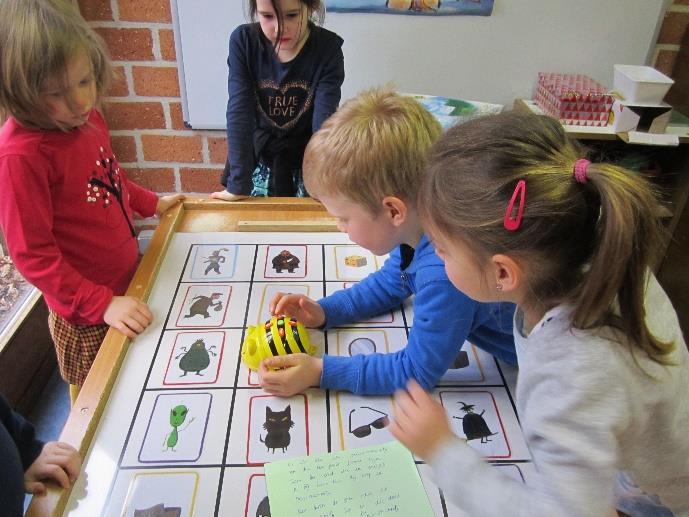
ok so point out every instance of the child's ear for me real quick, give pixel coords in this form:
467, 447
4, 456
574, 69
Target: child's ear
395, 209
508, 274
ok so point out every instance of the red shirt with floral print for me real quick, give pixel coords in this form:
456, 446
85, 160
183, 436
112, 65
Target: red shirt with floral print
66, 210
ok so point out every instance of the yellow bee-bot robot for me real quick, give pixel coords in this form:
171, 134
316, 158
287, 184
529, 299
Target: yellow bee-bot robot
280, 335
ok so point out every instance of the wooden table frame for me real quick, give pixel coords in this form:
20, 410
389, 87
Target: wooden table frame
194, 215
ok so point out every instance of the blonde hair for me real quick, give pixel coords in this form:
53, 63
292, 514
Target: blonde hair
588, 244
375, 145
38, 38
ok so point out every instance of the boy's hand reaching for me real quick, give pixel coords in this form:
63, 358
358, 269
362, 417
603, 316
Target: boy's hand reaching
287, 375
58, 461
167, 202
128, 315
420, 422
298, 306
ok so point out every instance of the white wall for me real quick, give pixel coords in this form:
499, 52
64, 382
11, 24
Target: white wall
492, 59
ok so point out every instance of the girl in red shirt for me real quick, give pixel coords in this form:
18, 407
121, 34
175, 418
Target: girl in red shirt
66, 207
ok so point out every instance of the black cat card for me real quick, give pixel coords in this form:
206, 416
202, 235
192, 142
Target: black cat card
278, 428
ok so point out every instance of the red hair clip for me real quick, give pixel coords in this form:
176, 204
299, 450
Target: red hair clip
512, 222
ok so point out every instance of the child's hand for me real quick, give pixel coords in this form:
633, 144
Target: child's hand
420, 422
287, 375
58, 461
167, 202
224, 195
128, 315
298, 306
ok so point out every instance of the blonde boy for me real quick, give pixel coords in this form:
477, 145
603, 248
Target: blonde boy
365, 165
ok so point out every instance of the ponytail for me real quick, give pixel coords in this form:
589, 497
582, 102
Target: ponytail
628, 238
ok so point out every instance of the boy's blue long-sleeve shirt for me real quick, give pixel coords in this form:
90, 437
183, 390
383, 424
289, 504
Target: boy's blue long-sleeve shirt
444, 318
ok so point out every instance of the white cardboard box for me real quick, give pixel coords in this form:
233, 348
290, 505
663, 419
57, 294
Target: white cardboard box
641, 84
650, 118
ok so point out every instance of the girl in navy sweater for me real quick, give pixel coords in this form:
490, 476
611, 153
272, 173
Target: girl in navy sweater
285, 74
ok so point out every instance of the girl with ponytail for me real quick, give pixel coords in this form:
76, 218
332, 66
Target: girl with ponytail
518, 214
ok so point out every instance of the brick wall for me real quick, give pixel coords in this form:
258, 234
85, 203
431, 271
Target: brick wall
143, 106
672, 53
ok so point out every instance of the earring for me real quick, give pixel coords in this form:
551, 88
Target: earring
499, 287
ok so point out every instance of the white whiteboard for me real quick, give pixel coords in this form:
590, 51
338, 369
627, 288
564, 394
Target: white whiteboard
491, 59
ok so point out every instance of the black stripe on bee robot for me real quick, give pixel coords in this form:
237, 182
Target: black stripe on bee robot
297, 337
283, 338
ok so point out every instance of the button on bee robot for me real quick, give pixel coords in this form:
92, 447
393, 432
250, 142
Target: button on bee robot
280, 335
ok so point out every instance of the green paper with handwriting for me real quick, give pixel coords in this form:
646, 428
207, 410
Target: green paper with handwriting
373, 481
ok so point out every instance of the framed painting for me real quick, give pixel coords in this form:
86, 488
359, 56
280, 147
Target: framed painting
419, 7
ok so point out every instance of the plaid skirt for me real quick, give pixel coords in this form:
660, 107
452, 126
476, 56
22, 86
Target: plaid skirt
76, 346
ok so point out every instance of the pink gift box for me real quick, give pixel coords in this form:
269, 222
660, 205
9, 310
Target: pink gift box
574, 99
